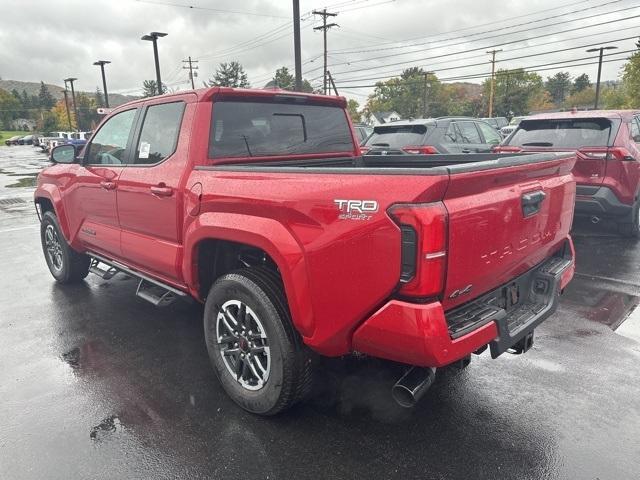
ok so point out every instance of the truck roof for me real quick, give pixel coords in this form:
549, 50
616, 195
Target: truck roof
217, 93
625, 114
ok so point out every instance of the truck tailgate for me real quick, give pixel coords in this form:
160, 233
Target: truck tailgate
504, 219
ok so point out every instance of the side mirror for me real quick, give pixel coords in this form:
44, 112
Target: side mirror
63, 154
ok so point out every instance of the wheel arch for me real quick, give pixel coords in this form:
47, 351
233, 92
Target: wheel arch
48, 198
213, 234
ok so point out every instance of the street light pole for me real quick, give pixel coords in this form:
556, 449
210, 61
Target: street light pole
73, 97
296, 44
601, 50
102, 63
153, 37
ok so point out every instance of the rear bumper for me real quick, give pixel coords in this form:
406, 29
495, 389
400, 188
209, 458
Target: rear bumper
592, 200
427, 336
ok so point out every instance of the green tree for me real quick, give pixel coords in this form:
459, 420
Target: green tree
515, 91
285, 80
149, 88
229, 75
46, 99
559, 86
98, 98
580, 83
631, 79
405, 94
49, 123
352, 108
87, 114
9, 109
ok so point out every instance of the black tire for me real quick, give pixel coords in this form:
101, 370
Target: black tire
68, 266
631, 228
290, 376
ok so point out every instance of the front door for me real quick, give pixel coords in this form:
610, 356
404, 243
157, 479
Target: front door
150, 190
93, 194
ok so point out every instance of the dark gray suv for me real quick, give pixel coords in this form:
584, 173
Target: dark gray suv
432, 135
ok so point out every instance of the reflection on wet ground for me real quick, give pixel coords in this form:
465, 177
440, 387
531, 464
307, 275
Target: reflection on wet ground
95, 383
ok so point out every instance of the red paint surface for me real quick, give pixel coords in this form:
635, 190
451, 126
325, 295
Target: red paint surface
339, 275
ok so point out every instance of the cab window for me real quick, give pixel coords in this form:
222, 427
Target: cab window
159, 134
490, 135
109, 144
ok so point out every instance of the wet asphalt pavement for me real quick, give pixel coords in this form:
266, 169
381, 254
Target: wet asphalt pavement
96, 383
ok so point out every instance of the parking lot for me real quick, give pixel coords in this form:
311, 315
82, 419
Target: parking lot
96, 383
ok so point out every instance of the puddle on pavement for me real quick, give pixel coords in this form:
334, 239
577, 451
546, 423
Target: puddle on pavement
608, 307
106, 428
24, 182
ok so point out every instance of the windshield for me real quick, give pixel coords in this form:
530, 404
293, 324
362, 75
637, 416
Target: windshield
397, 136
564, 133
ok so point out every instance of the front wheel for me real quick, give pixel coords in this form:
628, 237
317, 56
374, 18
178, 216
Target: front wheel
257, 356
65, 264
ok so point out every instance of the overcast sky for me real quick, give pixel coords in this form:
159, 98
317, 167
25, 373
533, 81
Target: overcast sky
53, 39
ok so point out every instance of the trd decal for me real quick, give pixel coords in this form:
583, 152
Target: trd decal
356, 209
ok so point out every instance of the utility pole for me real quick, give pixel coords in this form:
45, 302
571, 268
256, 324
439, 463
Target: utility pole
191, 68
66, 104
333, 84
424, 94
73, 96
600, 49
296, 44
493, 79
153, 37
101, 64
325, 26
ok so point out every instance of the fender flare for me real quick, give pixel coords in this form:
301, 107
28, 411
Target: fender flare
52, 193
260, 232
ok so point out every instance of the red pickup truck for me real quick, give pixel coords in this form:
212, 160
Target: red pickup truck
259, 204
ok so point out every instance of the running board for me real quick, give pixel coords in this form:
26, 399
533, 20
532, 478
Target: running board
149, 289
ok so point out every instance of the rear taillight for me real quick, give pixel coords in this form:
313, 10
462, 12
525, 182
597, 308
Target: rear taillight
420, 149
506, 149
604, 153
424, 247
364, 150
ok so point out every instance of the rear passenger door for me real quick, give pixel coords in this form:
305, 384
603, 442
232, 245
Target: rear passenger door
150, 190
471, 139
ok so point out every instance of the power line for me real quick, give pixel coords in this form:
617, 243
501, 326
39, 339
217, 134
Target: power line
526, 47
469, 28
213, 10
485, 47
468, 65
494, 36
533, 68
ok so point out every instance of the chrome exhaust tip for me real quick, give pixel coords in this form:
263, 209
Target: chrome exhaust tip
412, 386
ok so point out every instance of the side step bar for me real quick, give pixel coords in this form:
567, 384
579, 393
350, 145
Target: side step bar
154, 291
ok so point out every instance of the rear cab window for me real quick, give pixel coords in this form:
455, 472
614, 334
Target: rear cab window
243, 129
570, 133
397, 136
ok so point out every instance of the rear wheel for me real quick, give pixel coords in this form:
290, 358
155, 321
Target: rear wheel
631, 228
65, 264
255, 351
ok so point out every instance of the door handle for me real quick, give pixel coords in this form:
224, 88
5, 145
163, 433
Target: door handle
531, 202
466, 150
161, 190
108, 185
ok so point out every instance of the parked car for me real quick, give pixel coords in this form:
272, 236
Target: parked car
431, 136
496, 122
509, 129
257, 204
26, 140
608, 167
13, 140
362, 132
